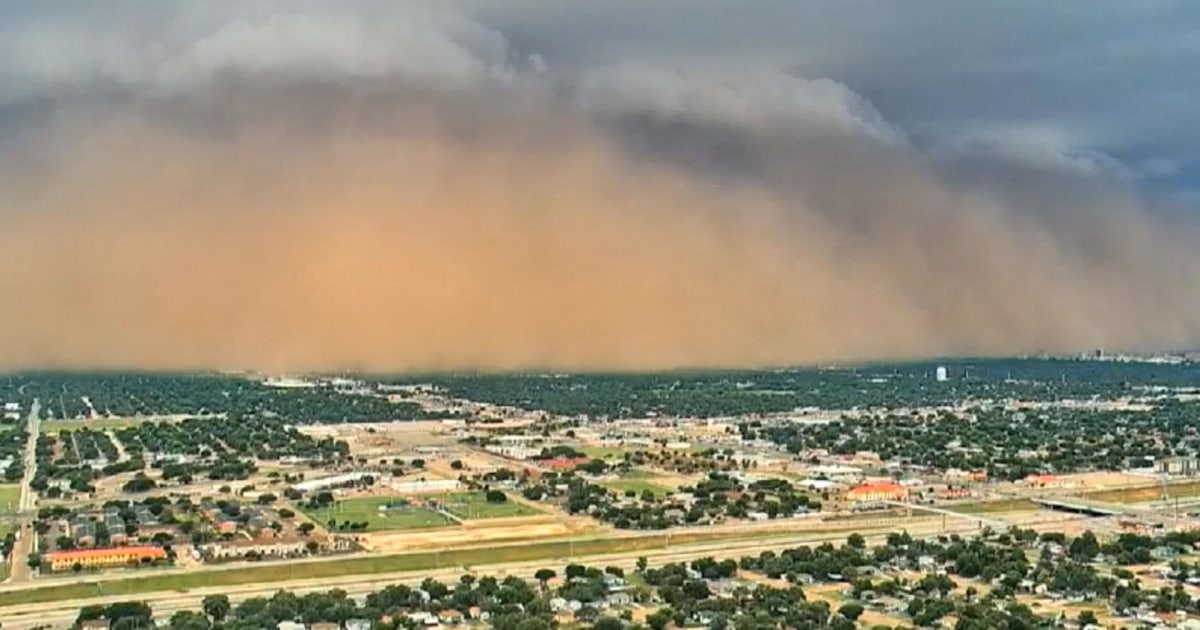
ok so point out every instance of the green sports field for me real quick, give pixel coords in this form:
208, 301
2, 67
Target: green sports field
367, 509
10, 496
473, 505
638, 481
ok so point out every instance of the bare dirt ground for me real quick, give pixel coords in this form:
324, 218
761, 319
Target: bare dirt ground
515, 529
1102, 480
671, 480
383, 438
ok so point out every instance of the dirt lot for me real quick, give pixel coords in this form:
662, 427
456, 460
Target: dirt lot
384, 438
1102, 480
507, 530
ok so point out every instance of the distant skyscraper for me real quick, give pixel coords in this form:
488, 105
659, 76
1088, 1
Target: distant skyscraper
941, 374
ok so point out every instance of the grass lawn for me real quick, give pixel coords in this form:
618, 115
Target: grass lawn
366, 509
472, 505
10, 496
992, 507
604, 452
637, 480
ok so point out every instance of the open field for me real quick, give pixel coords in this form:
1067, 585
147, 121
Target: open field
473, 505
10, 496
367, 510
471, 532
604, 452
1147, 493
641, 481
992, 507
637, 485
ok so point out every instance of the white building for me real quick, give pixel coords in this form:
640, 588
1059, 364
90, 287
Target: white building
942, 375
819, 484
328, 482
433, 486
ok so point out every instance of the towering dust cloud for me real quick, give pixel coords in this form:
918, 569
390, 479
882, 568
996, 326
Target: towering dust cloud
485, 213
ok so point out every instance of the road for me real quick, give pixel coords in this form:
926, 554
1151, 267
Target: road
26, 543
27, 495
62, 613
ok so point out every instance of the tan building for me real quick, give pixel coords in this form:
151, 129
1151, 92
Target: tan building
263, 548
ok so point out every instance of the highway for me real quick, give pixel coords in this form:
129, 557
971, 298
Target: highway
62, 614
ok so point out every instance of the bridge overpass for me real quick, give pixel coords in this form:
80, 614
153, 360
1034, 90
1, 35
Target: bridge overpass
983, 521
1080, 505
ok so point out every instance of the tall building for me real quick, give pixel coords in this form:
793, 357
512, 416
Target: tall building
942, 375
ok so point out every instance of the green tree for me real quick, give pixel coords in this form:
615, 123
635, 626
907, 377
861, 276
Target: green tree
215, 606
851, 610
608, 623
659, 619
544, 575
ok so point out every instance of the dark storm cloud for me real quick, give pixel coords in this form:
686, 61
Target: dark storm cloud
294, 185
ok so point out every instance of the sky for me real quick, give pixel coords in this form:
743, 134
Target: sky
622, 185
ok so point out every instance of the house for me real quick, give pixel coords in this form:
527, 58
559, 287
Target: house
324, 625
290, 625
1164, 553
84, 533
116, 528
95, 624
450, 617
422, 618
618, 599
722, 588
261, 548
614, 583
358, 624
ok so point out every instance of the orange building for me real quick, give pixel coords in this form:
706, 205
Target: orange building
1043, 481
99, 558
878, 491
